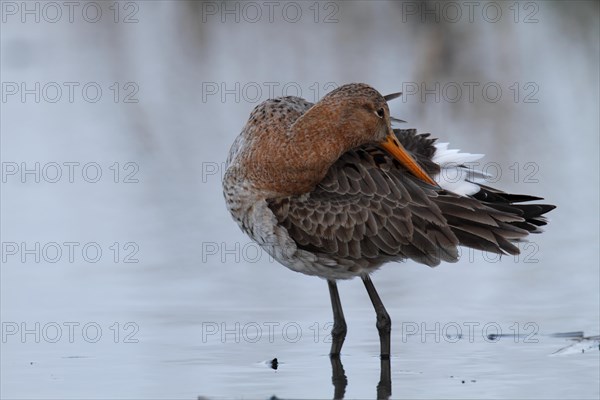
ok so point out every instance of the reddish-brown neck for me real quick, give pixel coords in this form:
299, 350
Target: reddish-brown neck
291, 159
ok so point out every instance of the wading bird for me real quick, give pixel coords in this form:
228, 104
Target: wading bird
330, 189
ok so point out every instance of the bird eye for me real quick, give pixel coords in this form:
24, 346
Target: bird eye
380, 113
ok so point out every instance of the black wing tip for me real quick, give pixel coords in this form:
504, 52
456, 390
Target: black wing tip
392, 96
549, 207
487, 194
398, 120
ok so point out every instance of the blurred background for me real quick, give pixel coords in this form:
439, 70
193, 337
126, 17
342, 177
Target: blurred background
123, 275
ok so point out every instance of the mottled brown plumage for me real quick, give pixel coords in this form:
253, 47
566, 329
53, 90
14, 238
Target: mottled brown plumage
331, 190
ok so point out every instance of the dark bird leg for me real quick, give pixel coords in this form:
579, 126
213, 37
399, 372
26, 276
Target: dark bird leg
384, 388
384, 323
338, 333
338, 378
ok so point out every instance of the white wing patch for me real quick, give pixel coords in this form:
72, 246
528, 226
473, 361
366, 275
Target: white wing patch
456, 175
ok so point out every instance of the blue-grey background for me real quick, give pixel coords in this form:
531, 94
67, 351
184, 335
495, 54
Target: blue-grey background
191, 317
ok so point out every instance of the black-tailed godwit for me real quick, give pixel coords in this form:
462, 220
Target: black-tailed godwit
331, 190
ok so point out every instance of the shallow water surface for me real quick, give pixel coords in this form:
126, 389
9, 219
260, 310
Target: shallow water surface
164, 297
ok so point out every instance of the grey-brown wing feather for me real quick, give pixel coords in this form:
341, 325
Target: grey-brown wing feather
367, 206
490, 219
370, 207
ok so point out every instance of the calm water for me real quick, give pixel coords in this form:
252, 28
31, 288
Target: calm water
163, 297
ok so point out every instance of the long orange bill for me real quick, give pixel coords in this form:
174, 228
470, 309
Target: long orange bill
393, 146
